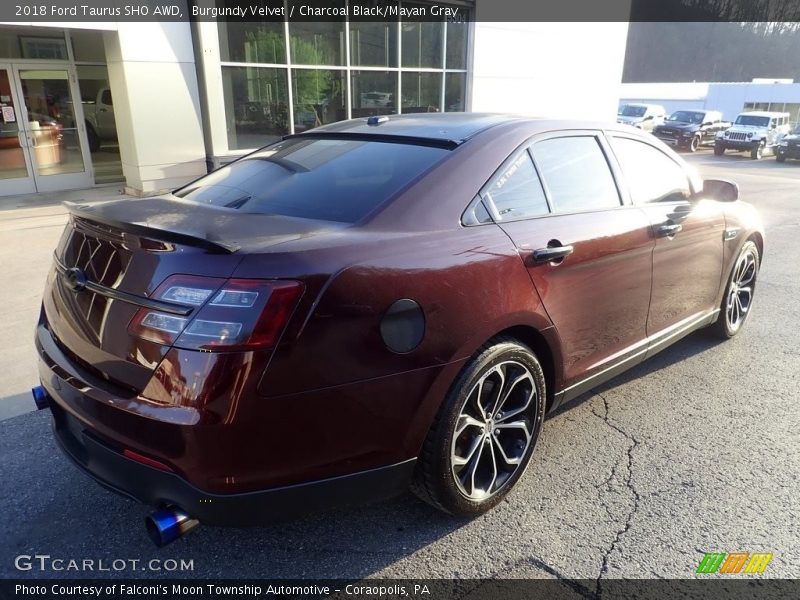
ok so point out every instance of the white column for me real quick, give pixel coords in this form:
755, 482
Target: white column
153, 81
562, 70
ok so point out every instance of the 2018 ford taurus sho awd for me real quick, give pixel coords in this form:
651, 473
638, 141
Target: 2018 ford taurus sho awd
376, 304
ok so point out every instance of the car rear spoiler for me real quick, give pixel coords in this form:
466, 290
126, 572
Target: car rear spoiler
87, 212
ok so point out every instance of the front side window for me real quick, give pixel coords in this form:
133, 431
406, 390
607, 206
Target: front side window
326, 179
576, 174
651, 175
517, 193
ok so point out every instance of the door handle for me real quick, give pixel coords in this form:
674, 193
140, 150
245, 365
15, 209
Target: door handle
551, 253
668, 229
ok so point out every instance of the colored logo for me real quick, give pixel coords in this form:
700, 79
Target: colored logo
734, 562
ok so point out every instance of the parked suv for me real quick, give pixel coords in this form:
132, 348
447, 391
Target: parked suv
641, 116
691, 128
789, 146
756, 132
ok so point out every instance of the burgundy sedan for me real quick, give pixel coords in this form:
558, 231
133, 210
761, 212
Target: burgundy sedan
376, 304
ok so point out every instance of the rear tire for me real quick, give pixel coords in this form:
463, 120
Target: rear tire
719, 149
737, 302
483, 437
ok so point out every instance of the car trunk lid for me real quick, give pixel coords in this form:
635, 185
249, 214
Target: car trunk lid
113, 256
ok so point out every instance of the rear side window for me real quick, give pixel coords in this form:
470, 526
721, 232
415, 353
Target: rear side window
576, 174
651, 175
517, 193
327, 179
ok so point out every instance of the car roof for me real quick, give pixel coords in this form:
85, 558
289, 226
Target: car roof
641, 104
764, 113
449, 128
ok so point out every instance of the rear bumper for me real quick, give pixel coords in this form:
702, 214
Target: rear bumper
93, 431
151, 486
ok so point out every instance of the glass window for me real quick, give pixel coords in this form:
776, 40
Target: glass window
319, 97
373, 44
456, 55
373, 93
318, 43
651, 175
101, 125
455, 91
422, 92
252, 42
87, 45
256, 105
332, 180
576, 174
422, 43
517, 192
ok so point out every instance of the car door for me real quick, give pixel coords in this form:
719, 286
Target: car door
587, 253
687, 258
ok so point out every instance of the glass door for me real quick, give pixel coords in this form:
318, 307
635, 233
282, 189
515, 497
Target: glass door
52, 126
15, 167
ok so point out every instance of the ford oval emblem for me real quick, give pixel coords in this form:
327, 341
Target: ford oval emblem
75, 279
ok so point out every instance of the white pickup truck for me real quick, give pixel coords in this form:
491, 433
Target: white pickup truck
99, 115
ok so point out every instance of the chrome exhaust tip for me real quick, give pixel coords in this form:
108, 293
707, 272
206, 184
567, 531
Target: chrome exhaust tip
40, 397
168, 524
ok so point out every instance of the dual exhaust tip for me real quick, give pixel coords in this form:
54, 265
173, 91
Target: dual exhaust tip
168, 524
163, 526
40, 397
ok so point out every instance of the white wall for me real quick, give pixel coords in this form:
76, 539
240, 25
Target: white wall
568, 70
152, 76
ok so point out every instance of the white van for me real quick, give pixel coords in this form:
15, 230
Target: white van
642, 116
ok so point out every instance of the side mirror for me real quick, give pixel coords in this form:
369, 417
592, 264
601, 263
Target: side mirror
707, 123
773, 126
721, 189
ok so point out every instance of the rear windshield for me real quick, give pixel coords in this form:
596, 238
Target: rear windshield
327, 179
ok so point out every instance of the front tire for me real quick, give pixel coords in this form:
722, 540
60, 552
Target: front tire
719, 149
780, 158
757, 152
738, 299
694, 144
483, 437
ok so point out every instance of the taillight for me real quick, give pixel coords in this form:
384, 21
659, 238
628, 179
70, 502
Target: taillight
232, 314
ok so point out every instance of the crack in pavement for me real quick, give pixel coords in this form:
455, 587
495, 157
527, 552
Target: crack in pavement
628, 486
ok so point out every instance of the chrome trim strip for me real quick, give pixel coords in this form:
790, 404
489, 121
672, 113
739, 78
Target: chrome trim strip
661, 339
172, 308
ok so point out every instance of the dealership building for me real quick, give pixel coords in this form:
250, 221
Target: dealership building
153, 105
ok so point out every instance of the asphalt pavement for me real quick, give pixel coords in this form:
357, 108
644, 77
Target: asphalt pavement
695, 451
